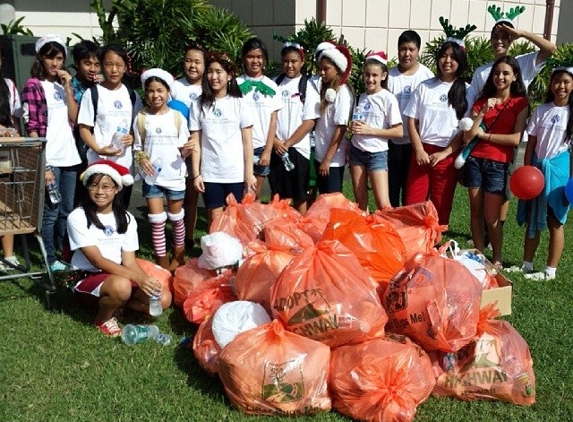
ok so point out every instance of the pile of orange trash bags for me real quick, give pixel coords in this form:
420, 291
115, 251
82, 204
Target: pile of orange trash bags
368, 317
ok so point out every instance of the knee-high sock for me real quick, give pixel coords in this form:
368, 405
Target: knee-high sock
158, 233
178, 227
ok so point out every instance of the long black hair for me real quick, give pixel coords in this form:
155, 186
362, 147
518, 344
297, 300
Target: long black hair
551, 97
233, 90
457, 93
49, 51
122, 219
517, 88
5, 97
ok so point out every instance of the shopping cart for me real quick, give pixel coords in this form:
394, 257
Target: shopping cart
22, 164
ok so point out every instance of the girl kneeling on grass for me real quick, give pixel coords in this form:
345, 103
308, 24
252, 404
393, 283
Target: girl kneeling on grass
548, 148
103, 236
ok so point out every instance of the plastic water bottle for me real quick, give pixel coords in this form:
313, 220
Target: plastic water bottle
357, 115
163, 339
157, 166
120, 132
155, 308
133, 334
289, 165
54, 193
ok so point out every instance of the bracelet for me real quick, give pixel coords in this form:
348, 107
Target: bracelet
196, 177
140, 155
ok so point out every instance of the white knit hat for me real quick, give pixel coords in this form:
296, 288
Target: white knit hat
158, 73
117, 172
50, 38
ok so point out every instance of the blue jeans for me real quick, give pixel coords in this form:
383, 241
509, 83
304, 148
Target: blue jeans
372, 161
489, 175
54, 221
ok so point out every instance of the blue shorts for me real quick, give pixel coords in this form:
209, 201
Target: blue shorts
215, 194
263, 171
489, 175
155, 191
373, 161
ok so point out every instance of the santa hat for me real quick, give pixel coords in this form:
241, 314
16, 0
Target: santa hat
119, 174
379, 56
50, 38
294, 44
321, 47
158, 73
340, 56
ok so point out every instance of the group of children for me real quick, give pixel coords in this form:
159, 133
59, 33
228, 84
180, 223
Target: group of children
216, 132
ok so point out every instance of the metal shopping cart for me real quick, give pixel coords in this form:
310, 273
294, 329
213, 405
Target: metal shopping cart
22, 164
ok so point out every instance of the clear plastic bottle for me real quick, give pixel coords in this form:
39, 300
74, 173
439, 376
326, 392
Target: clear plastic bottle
357, 115
163, 339
120, 132
157, 166
289, 165
54, 193
155, 308
133, 334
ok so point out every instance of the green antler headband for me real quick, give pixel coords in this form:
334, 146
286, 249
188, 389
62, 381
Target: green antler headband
453, 34
499, 16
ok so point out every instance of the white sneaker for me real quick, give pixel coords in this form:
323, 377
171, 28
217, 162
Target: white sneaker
539, 276
13, 260
517, 269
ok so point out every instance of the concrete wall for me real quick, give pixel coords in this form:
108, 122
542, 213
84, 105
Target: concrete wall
565, 28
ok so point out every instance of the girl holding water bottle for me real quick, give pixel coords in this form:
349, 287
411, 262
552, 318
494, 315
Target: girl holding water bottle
376, 118
103, 236
160, 150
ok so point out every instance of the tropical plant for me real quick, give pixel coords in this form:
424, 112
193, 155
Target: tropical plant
14, 27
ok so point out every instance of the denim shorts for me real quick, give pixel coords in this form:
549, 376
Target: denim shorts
373, 161
154, 191
260, 170
489, 175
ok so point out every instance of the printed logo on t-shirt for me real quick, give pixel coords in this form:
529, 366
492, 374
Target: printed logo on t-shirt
555, 119
158, 130
117, 104
57, 96
108, 230
285, 93
217, 112
407, 89
367, 106
193, 95
256, 96
443, 98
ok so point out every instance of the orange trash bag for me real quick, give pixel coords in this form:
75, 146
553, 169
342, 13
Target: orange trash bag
208, 297
188, 277
259, 271
286, 233
316, 218
497, 365
284, 209
435, 301
270, 371
380, 380
205, 347
374, 241
161, 274
325, 294
417, 224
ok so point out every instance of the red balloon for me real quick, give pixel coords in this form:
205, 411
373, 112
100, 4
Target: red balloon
526, 182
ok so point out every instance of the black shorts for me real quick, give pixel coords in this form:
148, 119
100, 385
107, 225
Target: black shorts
290, 184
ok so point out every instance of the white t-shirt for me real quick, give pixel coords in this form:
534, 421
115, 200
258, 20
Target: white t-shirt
61, 148
437, 119
380, 111
529, 71
163, 140
15, 104
336, 114
113, 109
263, 106
549, 124
222, 153
109, 241
185, 92
291, 115
402, 86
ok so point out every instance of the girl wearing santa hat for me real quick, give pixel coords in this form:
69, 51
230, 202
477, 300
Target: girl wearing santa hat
103, 236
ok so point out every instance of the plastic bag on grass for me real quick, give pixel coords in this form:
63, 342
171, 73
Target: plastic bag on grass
208, 297
270, 371
187, 278
317, 216
284, 209
382, 379
374, 241
417, 224
326, 295
497, 365
285, 233
236, 317
205, 347
258, 273
161, 274
435, 301
220, 250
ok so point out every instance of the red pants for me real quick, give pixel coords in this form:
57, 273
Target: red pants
437, 183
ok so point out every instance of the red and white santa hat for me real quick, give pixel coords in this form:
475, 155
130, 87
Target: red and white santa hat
379, 56
340, 56
117, 172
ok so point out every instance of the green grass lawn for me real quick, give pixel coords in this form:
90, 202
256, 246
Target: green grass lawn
54, 366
